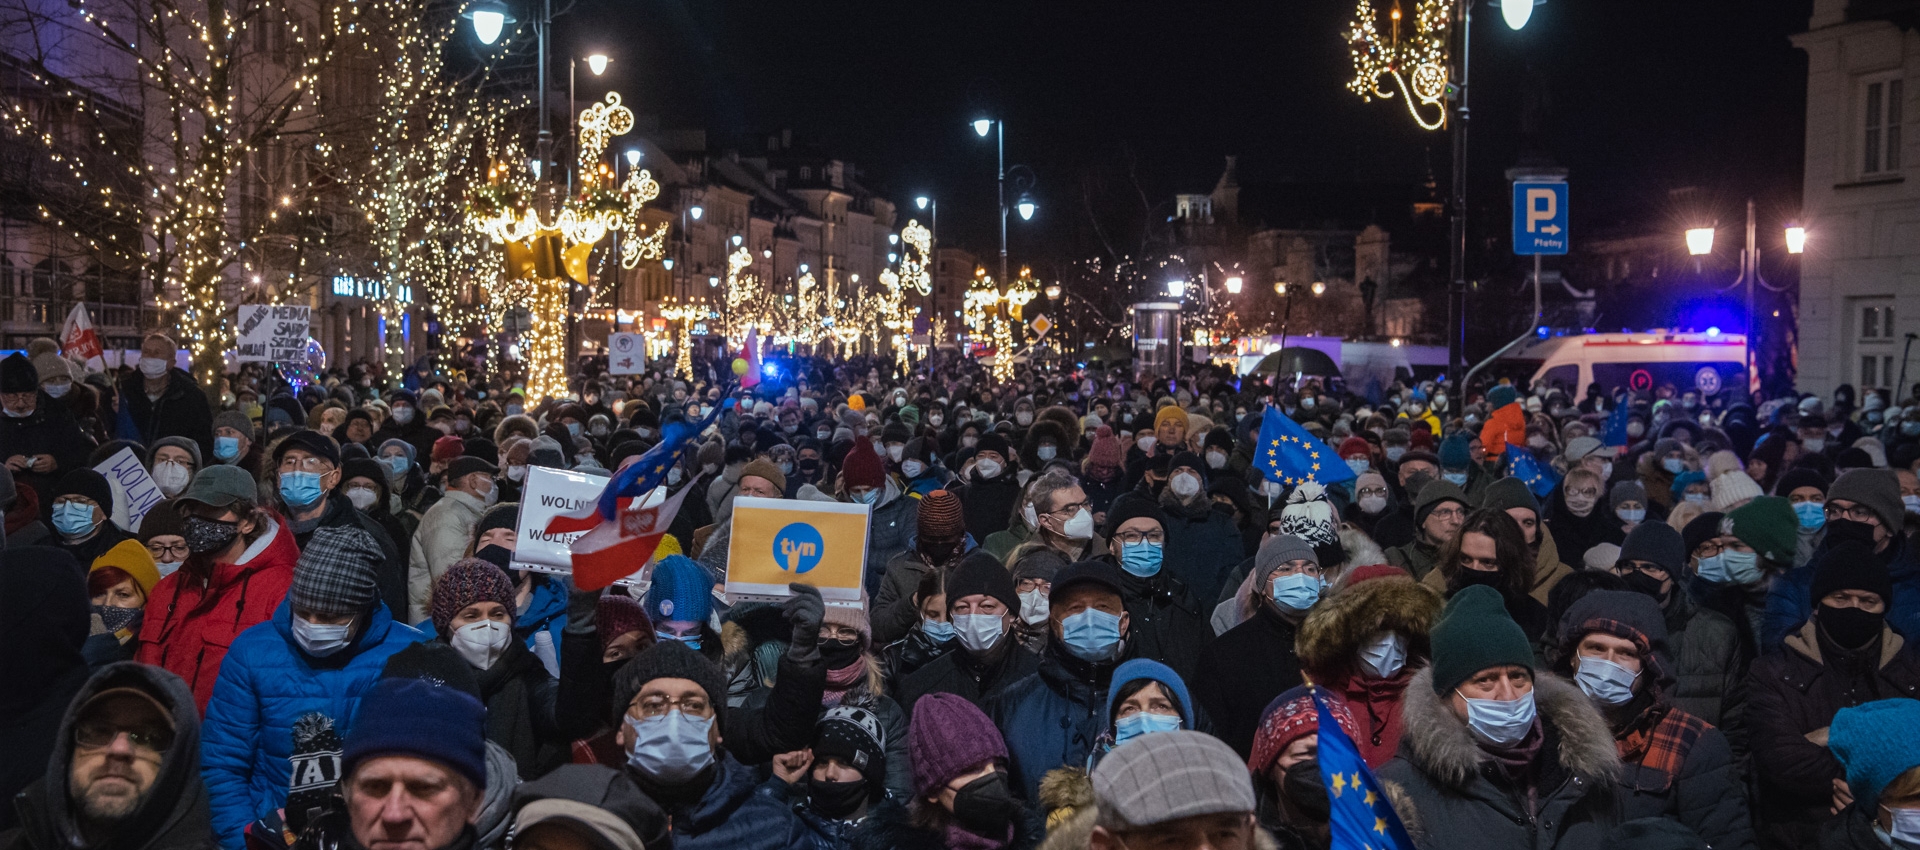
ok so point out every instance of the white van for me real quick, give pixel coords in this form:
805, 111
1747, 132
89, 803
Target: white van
1703, 362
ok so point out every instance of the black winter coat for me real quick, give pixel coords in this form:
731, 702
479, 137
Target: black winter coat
906, 656
181, 410
1242, 671
1203, 545
977, 680
1166, 622
1709, 796
44, 620
1852, 830
888, 828
988, 505
1709, 668
520, 697
49, 430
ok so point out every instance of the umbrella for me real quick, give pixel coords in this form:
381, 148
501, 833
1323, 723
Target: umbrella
1287, 361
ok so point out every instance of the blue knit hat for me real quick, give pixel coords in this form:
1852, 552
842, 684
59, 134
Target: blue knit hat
1142, 668
417, 717
1501, 396
1455, 453
682, 590
1875, 742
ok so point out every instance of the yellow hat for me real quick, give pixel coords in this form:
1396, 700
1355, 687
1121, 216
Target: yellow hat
132, 558
1169, 412
856, 402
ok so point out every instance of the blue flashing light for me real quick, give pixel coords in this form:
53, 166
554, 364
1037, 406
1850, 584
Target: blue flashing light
1713, 331
771, 370
1542, 331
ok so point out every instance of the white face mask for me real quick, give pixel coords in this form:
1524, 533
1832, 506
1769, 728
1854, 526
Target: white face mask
1147, 443
320, 641
1034, 607
403, 414
896, 452
1079, 527
517, 473
1384, 655
171, 478
912, 468
1371, 505
988, 468
1185, 485
154, 367
1024, 418
362, 497
1906, 828
481, 643
1216, 460
979, 632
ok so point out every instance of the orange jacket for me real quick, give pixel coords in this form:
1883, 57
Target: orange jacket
1506, 425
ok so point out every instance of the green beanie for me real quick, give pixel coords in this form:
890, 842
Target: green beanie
1432, 495
1455, 452
1501, 396
1768, 525
1509, 493
1475, 632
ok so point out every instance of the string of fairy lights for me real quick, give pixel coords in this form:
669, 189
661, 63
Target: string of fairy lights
1412, 64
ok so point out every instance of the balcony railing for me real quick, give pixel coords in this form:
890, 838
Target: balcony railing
35, 302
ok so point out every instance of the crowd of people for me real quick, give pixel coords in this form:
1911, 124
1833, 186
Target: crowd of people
1545, 619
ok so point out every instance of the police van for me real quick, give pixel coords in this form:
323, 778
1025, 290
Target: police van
1704, 362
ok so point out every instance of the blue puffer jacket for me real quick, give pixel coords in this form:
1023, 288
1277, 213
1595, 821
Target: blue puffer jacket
738, 813
1051, 718
1788, 605
266, 684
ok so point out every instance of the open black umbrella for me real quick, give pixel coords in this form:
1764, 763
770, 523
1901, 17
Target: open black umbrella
1287, 361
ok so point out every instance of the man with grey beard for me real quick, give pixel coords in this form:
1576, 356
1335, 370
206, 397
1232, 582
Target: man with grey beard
125, 773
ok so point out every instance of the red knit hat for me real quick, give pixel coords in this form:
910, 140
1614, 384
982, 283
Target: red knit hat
447, 448
1370, 572
947, 737
617, 614
1105, 452
467, 582
862, 467
1354, 447
1290, 717
1420, 438
941, 516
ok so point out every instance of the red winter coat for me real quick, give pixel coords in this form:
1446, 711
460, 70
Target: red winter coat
1506, 425
187, 634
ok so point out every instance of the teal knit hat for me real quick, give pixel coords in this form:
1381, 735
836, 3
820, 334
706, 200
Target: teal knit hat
1455, 452
1768, 525
1875, 742
1501, 396
681, 590
1475, 632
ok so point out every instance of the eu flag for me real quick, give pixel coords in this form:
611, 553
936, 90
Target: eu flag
1290, 455
1539, 479
1359, 813
1616, 433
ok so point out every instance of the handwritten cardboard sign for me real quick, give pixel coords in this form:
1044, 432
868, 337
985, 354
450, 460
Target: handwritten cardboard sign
274, 333
134, 492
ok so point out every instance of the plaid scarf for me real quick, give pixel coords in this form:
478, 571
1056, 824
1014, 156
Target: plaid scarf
1660, 740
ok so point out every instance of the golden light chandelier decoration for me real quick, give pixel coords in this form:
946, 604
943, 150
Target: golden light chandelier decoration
1414, 65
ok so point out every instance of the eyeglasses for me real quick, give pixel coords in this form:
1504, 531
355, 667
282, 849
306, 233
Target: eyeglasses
99, 734
658, 706
1372, 491
1651, 569
1585, 492
1071, 509
1448, 513
160, 551
309, 463
1133, 538
1856, 512
1028, 585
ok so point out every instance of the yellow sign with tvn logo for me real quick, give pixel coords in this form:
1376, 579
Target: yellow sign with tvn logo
776, 541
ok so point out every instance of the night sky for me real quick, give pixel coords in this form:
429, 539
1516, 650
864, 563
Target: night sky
1635, 97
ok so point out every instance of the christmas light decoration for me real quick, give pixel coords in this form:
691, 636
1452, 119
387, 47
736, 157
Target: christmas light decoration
1415, 64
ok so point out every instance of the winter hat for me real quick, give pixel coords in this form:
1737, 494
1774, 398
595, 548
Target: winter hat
1627, 491
1436, 491
1850, 566
1455, 453
234, 419
670, 659
1878, 489
981, 573
1278, 551
468, 582
1509, 493
1703, 528
1876, 450
765, 469
851, 617
1602, 556
947, 736
84, 481
17, 375
862, 468
681, 590
1798, 477
1104, 574
51, 365
1475, 632
1656, 542
1875, 743
1191, 461
1684, 480
544, 451
1156, 779
992, 441
1579, 447
1170, 413
855, 737
447, 448
598, 803
1309, 516
1041, 564
310, 441
617, 614
1722, 462
1290, 717
1105, 452
1133, 505
337, 572
1501, 396
1142, 668
435, 662
941, 516
1353, 447
163, 519
1733, 487
1853, 458
1768, 525
1625, 614
504, 515
415, 717
132, 558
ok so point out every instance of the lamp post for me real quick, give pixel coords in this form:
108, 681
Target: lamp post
1027, 206
489, 18
596, 63
1700, 243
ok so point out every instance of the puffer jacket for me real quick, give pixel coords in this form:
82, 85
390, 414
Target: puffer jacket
1165, 621
441, 539
1234, 687
1052, 717
1707, 794
188, 628
1709, 667
266, 685
1458, 803
737, 812
1203, 546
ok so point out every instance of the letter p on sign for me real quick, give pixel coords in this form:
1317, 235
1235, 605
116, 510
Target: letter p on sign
1543, 206
1540, 218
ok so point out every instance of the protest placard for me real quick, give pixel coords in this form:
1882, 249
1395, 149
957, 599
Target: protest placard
548, 493
134, 492
776, 541
274, 333
626, 354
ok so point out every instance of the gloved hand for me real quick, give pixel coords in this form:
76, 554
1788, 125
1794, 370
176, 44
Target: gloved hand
806, 611
581, 608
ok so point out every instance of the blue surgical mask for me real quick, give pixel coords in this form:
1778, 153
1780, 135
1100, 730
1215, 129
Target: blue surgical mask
300, 489
1812, 515
672, 748
397, 465
226, 448
868, 497
1673, 464
937, 631
1296, 592
1092, 635
1631, 514
692, 641
1605, 681
1742, 567
1142, 723
573, 429
1500, 722
1141, 559
1359, 464
1457, 479
73, 519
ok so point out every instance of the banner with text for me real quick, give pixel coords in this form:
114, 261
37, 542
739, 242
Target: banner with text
547, 494
776, 541
134, 492
272, 333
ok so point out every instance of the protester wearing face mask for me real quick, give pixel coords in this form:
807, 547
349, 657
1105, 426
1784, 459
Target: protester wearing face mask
940, 538
1168, 437
473, 608
1365, 642
39, 439
1168, 623
839, 780
1033, 566
1286, 582
673, 720
1708, 655
1862, 505
161, 400
1285, 768
1875, 748
982, 607
1579, 515
1845, 655
1438, 511
917, 469
1203, 545
1483, 729
404, 477
891, 520
327, 643
406, 422
1146, 698
82, 515
1372, 502
1491, 550
1057, 513
172, 462
929, 638
118, 584
988, 490
1512, 496
1613, 645
1806, 492
163, 533
854, 680
447, 528
1657, 470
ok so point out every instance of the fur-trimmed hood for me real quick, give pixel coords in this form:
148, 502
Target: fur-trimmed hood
1438, 742
1330, 638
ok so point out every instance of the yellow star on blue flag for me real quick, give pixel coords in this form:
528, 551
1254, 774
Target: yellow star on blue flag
1287, 453
1360, 816
1539, 478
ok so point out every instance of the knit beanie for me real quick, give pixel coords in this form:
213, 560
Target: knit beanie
670, 659
1105, 452
981, 573
504, 515
616, 614
84, 481
1625, 614
1353, 447
1436, 491
1798, 477
1218, 438
1147, 669
855, 737
189, 446
947, 737
1602, 556
1853, 457
941, 516
862, 467
1475, 632
1684, 480
1501, 396
1875, 743
1290, 717
1627, 491
162, 520
1040, 564
234, 419
543, 451
1509, 493
1170, 413
1658, 543
1455, 452
1732, 488
337, 572
852, 617
1878, 489
1768, 525
1169, 776
1278, 551
681, 591
415, 717
760, 468
469, 581
132, 558
435, 662
992, 441
17, 374
1579, 447
1701, 529
1309, 516
1849, 566
447, 448
1132, 505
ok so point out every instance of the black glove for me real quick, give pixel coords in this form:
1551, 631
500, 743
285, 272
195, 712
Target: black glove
806, 611
582, 606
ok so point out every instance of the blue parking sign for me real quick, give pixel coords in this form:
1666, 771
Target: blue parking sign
1539, 218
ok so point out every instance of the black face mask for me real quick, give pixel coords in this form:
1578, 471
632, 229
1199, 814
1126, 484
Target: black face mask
1469, 577
495, 554
839, 653
985, 806
1851, 628
1303, 788
1842, 530
1418, 481
836, 799
209, 535
1643, 583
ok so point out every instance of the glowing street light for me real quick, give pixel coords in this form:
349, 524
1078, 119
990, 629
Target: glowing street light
489, 18
1026, 206
922, 201
1176, 288
983, 126
1319, 287
1233, 285
597, 63
1518, 12
633, 158
1700, 241
697, 212
1796, 239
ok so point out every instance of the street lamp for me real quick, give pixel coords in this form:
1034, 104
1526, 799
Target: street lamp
1233, 285
597, 63
1026, 207
1177, 288
1700, 241
983, 126
1053, 292
1796, 239
633, 158
1319, 287
697, 212
489, 18
1517, 12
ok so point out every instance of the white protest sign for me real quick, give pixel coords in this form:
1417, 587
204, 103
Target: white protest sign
626, 354
274, 333
134, 492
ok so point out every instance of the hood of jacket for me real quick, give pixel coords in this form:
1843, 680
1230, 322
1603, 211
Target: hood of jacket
1330, 638
174, 808
1806, 642
1438, 742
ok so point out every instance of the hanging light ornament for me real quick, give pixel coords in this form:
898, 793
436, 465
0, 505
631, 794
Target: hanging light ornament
1413, 64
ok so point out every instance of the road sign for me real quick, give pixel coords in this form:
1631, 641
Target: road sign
1539, 219
1041, 325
